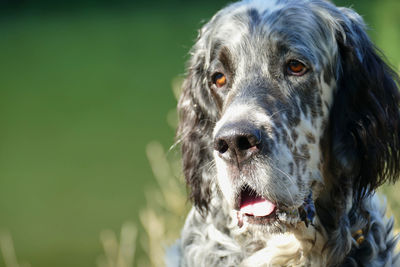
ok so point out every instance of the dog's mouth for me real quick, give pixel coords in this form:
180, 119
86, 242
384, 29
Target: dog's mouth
256, 209
252, 204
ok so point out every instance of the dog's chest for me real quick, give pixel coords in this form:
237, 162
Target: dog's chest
288, 250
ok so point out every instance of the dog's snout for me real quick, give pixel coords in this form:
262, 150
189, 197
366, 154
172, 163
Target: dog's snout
237, 142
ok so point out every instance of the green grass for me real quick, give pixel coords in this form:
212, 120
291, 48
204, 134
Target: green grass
81, 94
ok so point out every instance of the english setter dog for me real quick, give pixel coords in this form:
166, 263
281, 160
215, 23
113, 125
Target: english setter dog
289, 121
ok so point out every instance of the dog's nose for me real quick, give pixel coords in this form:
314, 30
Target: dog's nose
237, 142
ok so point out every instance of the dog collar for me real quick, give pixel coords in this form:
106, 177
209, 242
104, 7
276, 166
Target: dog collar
358, 236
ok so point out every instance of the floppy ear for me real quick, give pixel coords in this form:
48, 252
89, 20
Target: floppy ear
197, 116
365, 119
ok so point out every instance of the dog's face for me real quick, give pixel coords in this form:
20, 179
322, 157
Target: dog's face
273, 88
273, 85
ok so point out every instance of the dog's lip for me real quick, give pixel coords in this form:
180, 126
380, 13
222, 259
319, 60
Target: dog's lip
272, 212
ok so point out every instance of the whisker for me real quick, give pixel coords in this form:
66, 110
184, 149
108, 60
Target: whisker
291, 178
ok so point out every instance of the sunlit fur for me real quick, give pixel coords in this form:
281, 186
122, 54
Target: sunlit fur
333, 132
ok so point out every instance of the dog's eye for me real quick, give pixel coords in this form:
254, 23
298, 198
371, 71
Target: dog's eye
219, 79
296, 68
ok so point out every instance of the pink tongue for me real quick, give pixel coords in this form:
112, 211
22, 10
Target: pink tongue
257, 207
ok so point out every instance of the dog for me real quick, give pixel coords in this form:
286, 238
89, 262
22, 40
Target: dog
288, 122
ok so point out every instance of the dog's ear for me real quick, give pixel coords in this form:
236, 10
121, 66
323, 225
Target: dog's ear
197, 116
365, 121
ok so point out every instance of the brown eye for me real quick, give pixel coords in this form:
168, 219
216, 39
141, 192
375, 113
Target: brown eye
296, 68
219, 79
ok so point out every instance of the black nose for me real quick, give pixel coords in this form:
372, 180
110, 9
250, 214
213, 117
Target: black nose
237, 142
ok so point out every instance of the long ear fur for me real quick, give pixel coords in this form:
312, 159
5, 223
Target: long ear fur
197, 116
365, 120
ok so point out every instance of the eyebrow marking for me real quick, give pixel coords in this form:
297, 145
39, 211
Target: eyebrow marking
225, 57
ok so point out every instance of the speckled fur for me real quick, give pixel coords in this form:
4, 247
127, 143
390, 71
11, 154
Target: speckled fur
334, 132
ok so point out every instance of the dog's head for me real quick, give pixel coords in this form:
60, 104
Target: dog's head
284, 99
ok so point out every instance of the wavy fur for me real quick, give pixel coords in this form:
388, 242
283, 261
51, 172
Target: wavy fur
332, 134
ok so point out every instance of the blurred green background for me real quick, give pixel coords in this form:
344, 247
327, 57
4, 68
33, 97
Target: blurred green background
84, 86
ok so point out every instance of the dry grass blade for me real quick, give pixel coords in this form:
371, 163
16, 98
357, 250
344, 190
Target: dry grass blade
8, 251
118, 254
166, 205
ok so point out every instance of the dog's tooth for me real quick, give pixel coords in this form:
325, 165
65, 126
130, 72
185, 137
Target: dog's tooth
240, 219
